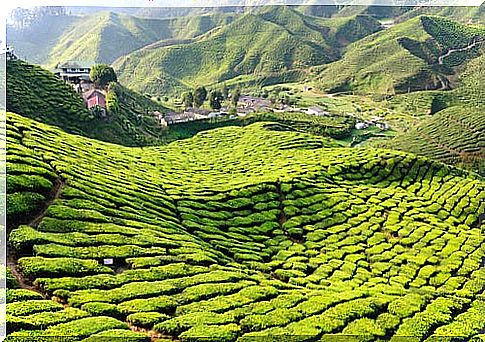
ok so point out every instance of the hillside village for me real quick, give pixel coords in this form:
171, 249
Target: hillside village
77, 74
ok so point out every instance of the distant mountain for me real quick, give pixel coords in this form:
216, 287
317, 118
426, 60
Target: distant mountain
101, 36
328, 11
38, 94
268, 41
405, 57
156, 12
463, 14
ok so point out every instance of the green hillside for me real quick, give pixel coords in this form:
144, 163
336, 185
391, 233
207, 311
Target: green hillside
104, 36
402, 58
454, 133
38, 94
269, 41
239, 234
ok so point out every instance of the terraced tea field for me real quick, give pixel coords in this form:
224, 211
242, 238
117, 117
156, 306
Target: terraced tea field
239, 234
335, 126
454, 135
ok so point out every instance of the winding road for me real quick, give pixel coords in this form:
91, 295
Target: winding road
470, 46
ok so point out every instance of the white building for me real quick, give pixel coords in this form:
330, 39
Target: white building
317, 111
74, 72
361, 125
382, 125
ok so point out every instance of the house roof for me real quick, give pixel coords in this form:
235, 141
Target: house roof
92, 92
76, 64
317, 109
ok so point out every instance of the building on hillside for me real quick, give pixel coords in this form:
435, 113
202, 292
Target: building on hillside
361, 125
160, 118
214, 115
95, 98
173, 118
317, 111
254, 102
242, 112
10, 54
382, 125
198, 113
74, 72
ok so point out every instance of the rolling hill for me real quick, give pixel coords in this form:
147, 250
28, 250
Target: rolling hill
403, 58
102, 36
38, 94
270, 41
238, 234
454, 135
454, 132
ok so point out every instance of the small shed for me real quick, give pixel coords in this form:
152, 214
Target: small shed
95, 98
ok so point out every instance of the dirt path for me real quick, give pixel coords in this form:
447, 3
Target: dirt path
21, 280
470, 46
55, 194
12, 258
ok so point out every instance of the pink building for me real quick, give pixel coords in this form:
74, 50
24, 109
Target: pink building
94, 98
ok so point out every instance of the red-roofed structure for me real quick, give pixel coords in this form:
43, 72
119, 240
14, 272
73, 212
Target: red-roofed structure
94, 98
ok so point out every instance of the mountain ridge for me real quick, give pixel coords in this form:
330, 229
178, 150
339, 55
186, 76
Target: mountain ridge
272, 40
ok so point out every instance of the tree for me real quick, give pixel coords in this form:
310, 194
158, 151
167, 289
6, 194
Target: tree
215, 98
200, 95
225, 92
188, 99
112, 103
235, 96
102, 74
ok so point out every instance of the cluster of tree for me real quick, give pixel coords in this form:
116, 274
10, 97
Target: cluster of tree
112, 102
102, 75
216, 97
278, 95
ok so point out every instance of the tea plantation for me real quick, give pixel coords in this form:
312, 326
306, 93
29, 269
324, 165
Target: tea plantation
453, 135
239, 234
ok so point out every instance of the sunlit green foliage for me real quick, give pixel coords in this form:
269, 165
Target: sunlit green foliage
245, 232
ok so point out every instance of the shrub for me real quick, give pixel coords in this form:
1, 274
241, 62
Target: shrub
146, 320
19, 295
42, 320
85, 327
163, 304
178, 324
216, 333
102, 309
117, 334
23, 203
33, 267
31, 306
